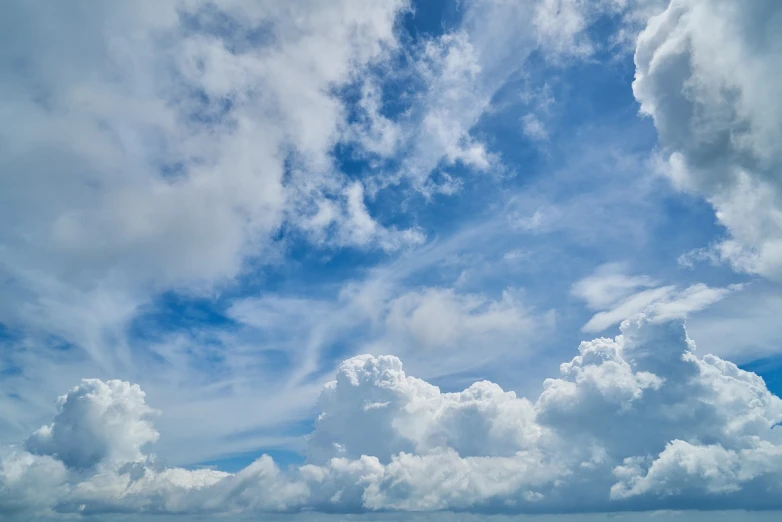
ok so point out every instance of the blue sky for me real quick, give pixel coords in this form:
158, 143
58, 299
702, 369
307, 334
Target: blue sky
226, 205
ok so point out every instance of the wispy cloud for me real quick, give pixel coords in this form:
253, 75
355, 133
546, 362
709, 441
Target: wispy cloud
618, 296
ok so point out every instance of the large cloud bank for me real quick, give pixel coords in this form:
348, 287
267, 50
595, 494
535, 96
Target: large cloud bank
708, 72
635, 422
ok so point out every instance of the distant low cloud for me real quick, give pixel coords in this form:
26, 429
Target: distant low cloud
637, 422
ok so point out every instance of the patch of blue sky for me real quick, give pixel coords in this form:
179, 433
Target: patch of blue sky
431, 19
770, 369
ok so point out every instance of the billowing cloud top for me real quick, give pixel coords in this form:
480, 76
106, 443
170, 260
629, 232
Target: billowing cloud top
634, 422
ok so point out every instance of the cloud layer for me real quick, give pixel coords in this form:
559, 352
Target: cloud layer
636, 422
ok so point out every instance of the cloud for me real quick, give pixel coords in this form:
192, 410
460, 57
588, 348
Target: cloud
437, 318
29, 482
705, 73
637, 422
98, 422
409, 415
163, 150
743, 327
167, 149
608, 285
533, 128
435, 329
617, 296
170, 151
463, 69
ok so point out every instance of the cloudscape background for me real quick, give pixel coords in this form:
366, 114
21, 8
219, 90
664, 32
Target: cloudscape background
391, 260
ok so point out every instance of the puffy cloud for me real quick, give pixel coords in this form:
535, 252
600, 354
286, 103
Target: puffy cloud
706, 73
98, 422
410, 415
687, 469
29, 482
635, 422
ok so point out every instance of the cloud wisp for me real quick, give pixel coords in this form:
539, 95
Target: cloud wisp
617, 295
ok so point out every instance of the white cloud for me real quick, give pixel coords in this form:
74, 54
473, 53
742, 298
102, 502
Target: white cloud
465, 68
686, 468
617, 296
436, 318
162, 147
360, 229
744, 326
533, 128
706, 72
638, 422
29, 482
168, 151
434, 329
97, 423
405, 414
608, 285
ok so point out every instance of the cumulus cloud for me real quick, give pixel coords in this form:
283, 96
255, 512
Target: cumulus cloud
97, 422
706, 73
635, 422
617, 295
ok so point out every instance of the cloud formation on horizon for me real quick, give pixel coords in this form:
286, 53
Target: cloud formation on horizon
632, 423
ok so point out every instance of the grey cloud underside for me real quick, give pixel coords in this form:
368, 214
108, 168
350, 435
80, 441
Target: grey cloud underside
708, 73
633, 423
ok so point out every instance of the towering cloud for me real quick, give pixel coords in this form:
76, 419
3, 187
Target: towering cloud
635, 422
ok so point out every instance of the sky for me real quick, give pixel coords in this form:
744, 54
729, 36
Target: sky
391, 260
